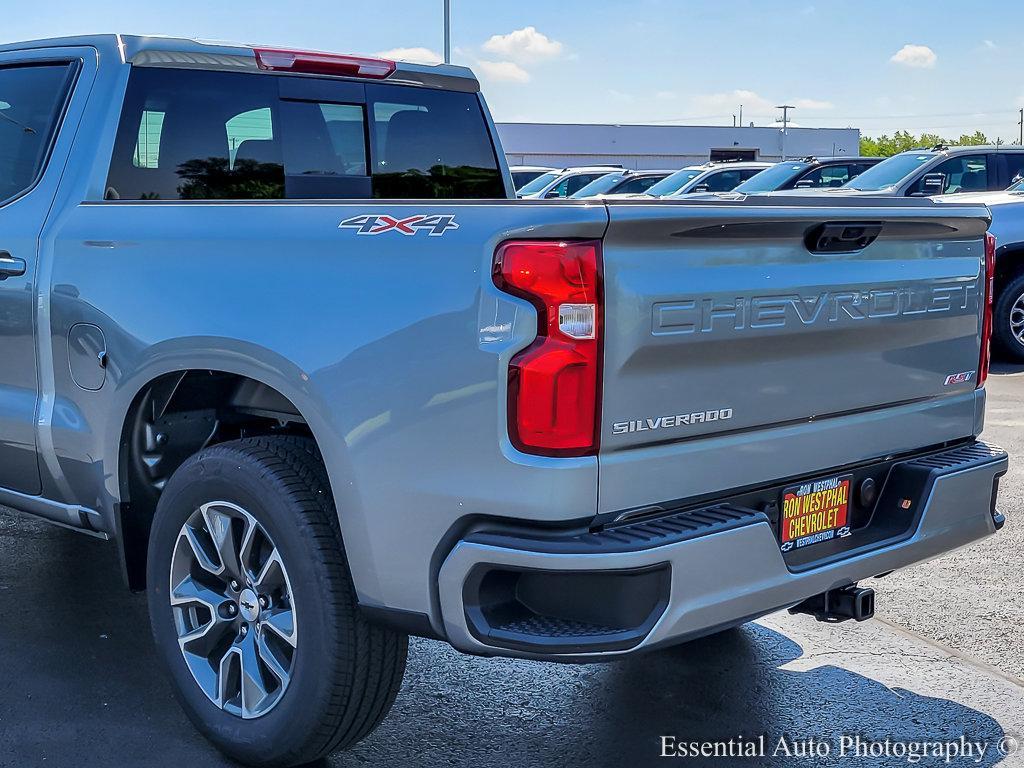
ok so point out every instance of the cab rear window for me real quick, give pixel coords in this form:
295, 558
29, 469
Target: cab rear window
196, 135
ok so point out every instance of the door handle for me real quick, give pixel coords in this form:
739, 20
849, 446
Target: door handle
10, 266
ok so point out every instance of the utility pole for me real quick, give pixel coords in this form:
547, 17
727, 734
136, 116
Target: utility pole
785, 122
741, 115
1021, 124
447, 31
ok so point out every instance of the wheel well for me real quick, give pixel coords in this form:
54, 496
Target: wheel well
1009, 264
171, 419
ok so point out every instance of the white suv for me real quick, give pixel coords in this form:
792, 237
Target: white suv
565, 182
709, 177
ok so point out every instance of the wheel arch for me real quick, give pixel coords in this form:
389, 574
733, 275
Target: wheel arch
1009, 265
207, 401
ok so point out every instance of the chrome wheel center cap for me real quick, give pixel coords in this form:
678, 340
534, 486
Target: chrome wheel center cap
248, 605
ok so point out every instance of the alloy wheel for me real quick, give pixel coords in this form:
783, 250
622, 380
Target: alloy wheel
1017, 319
233, 609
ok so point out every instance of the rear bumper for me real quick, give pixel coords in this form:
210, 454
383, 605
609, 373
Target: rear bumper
624, 590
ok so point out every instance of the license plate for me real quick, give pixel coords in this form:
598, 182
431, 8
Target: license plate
815, 512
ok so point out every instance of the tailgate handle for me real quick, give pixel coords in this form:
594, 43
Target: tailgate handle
842, 237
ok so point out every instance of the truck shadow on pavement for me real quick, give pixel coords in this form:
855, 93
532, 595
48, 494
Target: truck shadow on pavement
82, 688
1003, 368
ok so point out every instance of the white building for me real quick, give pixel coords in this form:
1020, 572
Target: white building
665, 146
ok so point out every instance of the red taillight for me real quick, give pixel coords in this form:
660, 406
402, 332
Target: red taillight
986, 310
554, 385
310, 62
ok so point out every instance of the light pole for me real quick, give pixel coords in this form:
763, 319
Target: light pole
785, 122
447, 31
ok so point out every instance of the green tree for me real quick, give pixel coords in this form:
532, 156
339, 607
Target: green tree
901, 141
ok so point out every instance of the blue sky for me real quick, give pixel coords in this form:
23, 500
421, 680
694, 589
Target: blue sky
938, 66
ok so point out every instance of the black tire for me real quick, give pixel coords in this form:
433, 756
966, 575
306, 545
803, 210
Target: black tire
346, 671
1006, 345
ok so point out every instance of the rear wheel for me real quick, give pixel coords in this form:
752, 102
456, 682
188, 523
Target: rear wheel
1008, 321
253, 609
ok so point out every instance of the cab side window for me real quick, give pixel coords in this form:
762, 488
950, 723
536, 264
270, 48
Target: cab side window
576, 183
827, 176
197, 136
723, 181
430, 144
570, 185
965, 173
637, 185
32, 97
561, 188
1014, 167
857, 169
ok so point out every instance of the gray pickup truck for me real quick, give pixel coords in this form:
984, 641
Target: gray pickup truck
273, 324
938, 170
1007, 211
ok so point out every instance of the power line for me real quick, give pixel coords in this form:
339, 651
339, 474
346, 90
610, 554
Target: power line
679, 119
975, 113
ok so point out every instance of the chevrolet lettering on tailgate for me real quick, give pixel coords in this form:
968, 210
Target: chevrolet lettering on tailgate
751, 313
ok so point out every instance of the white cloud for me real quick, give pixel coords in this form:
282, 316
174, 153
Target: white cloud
753, 103
919, 56
666, 95
525, 45
989, 45
503, 71
418, 55
730, 100
811, 104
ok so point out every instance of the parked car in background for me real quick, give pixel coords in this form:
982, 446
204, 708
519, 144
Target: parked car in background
941, 170
524, 174
709, 177
807, 173
1007, 211
621, 183
564, 182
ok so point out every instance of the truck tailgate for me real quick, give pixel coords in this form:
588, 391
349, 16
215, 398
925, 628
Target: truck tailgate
728, 320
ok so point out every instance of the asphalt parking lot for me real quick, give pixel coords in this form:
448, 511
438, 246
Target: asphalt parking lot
973, 599
80, 686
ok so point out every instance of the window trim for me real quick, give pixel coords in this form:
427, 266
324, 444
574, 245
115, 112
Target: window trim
74, 66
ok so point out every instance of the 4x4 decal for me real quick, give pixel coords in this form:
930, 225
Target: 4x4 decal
377, 224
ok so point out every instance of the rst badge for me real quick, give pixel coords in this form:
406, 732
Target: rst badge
959, 378
377, 224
